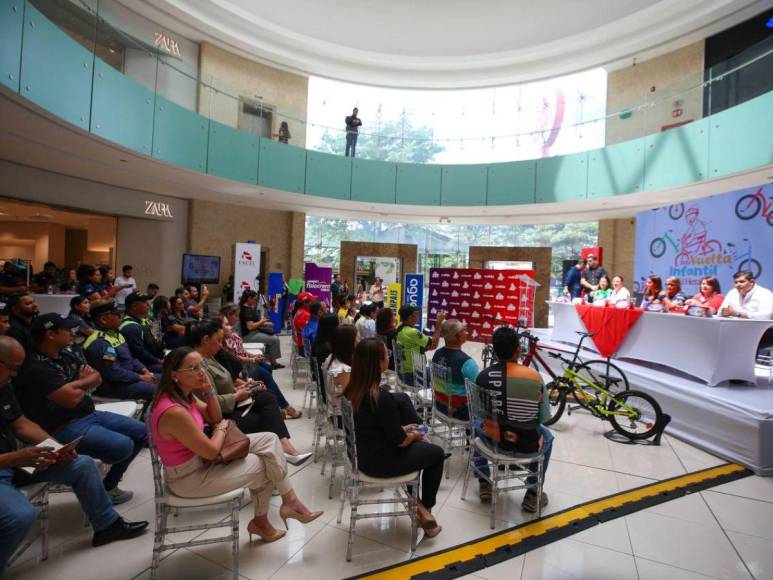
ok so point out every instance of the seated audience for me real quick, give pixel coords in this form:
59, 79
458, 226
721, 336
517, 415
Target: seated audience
109, 288
517, 402
748, 299
322, 346
410, 339
70, 283
80, 314
620, 294
22, 310
653, 292
452, 399
184, 402
46, 279
709, 296
388, 442
339, 363
135, 328
195, 304
13, 277
261, 411
123, 376
604, 290
78, 472
90, 282
301, 317
257, 328
53, 387
316, 310
253, 364
673, 297
386, 329
152, 290
572, 286
172, 321
366, 324
343, 310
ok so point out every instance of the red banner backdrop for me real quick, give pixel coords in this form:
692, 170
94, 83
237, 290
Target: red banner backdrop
483, 299
608, 325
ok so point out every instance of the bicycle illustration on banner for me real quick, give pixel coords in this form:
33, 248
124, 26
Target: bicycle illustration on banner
692, 243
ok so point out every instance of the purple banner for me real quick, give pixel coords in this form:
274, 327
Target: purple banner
318, 280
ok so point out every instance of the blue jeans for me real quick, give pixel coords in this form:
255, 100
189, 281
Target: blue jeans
17, 516
547, 446
127, 391
114, 439
351, 144
259, 372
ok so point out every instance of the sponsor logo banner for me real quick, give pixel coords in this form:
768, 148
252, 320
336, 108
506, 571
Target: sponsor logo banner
319, 281
394, 291
246, 268
413, 293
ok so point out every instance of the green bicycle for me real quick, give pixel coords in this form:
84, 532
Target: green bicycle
597, 388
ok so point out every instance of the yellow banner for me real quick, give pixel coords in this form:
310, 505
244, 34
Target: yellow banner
394, 291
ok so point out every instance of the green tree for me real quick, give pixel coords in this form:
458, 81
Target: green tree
393, 141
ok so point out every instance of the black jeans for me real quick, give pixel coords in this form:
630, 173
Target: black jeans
264, 415
351, 143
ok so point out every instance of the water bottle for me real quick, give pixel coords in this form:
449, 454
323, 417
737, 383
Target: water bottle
50, 289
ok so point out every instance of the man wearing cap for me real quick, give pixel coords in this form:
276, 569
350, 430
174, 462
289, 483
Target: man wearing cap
302, 317
136, 330
592, 274
123, 376
22, 310
17, 515
410, 339
53, 387
13, 277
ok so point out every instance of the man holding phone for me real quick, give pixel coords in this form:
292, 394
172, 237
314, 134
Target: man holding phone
17, 515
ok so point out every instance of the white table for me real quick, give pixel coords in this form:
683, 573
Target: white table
59, 303
713, 350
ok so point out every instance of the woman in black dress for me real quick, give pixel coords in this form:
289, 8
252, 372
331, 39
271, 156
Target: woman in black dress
388, 442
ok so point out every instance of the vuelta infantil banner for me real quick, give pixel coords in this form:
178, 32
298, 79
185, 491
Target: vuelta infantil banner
246, 268
482, 299
319, 280
713, 236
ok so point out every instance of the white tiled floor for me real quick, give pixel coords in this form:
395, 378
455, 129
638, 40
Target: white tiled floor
726, 532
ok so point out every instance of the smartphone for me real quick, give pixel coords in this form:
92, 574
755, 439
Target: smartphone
64, 450
423, 429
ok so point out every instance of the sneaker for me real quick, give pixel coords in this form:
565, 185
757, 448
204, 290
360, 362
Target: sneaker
119, 496
120, 529
530, 502
484, 491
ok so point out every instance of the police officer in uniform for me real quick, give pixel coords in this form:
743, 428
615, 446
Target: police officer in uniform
136, 330
106, 350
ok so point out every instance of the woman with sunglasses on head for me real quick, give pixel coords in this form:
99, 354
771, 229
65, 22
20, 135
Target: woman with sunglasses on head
389, 443
184, 401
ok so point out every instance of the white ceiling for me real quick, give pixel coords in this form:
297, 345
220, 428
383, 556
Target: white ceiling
31, 136
446, 43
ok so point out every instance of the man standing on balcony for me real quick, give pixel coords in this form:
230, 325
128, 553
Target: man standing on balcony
353, 124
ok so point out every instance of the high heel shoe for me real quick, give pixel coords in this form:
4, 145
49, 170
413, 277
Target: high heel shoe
288, 513
252, 528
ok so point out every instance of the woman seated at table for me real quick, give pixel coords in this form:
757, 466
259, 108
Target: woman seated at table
339, 363
653, 293
674, 298
710, 295
262, 413
620, 294
189, 456
388, 443
603, 292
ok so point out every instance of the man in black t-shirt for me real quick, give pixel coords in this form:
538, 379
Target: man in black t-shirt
22, 310
589, 279
17, 515
53, 390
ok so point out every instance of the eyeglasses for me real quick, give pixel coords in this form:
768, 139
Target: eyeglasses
193, 369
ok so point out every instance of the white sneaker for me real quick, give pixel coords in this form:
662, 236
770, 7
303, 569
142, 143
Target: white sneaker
299, 459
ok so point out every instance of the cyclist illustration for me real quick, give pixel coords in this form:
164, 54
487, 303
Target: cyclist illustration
750, 205
745, 261
694, 239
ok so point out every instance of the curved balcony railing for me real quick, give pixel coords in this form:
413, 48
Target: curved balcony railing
70, 69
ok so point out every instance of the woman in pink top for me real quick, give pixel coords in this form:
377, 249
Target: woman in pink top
184, 401
710, 295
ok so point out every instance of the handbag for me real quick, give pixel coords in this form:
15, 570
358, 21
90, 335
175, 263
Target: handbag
235, 446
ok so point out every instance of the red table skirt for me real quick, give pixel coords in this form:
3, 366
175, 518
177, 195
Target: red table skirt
609, 325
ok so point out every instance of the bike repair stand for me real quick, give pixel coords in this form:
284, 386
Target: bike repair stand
620, 438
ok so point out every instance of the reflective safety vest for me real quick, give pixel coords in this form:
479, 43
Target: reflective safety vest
113, 338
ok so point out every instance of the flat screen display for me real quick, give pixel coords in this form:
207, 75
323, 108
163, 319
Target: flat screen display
199, 269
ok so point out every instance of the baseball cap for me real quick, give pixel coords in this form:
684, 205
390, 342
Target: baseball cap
104, 308
134, 297
304, 296
51, 321
19, 263
406, 310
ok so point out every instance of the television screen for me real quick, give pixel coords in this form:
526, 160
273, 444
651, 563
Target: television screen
200, 269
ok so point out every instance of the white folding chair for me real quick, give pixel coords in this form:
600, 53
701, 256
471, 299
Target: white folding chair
355, 481
37, 494
507, 472
452, 434
335, 439
312, 378
167, 504
421, 391
298, 363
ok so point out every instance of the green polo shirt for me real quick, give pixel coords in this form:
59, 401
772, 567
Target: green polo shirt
411, 340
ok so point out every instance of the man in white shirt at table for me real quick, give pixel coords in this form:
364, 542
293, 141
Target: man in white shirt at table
748, 299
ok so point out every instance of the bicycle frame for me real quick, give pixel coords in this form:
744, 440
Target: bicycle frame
601, 407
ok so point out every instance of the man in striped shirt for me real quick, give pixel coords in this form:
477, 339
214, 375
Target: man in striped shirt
515, 404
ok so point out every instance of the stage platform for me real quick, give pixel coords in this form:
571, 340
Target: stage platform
734, 422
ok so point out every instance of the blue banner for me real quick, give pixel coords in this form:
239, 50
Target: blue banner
713, 236
413, 292
275, 301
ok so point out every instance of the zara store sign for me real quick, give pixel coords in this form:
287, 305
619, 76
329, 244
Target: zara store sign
158, 209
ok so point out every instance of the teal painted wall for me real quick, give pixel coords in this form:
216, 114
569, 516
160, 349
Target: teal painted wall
46, 66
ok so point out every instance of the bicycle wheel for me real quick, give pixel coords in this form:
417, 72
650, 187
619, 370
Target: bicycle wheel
752, 265
676, 211
607, 375
657, 247
747, 207
557, 400
642, 422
